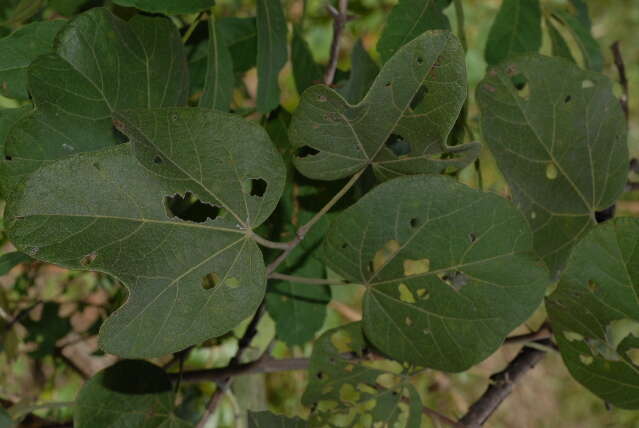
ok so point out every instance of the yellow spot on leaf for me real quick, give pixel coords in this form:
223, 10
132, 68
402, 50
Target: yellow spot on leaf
405, 295
551, 171
586, 359
341, 340
571, 336
347, 392
384, 254
633, 354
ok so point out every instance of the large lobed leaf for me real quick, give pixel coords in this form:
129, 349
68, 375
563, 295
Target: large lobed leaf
399, 128
559, 136
448, 270
110, 211
101, 64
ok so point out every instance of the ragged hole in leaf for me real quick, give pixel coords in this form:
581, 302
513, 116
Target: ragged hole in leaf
418, 97
456, 279
586, 359
384, 254
320, 375
8, 158
618, 330
414, 222
210, 281
408, 321
567, 99
551, 171
398, 145
189, 208
416, 267
88, 259
258, 187
520, 83
305, 151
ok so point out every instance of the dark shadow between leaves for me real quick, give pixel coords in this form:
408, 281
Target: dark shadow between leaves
134, 377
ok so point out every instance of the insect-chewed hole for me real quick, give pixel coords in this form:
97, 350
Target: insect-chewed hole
567, 99
189, 208
258, 187
305, 151
418, 97
388, 84
344, 246
157, 160
210, 281
420, 60
472, 237
88, 259
520, 82
398, 145
414, 222
8, 158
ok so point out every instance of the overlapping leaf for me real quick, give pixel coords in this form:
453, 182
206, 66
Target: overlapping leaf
306, 71
130, 393
104, 211
270, 420
8, 118
101, 64
168, 7
272, 52
595, 312
363, 73
399, 128
345, 391
449, 271
559, 137
590, 49
219, 80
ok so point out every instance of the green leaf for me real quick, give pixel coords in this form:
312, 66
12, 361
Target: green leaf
559, 137
408, 20
66, 7
346, 390
101, 64
219, 81
19, 49
595, 312
306, 71
240, 35
448, 270
172, 223
363, 73
270, 420
10, 260
515, 31
272, 52
129, 393
46, 331
400, 127
8, 118
168, 7
589, 47
581, 12
5, 419
559, 46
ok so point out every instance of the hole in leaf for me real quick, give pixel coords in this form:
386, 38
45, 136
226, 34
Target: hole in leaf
587, 84
189, 208
344, 246
210, 281
456, 279
7, 157
418, 97
414, 222
320, 375
520, 83
305, 151
96, 165
388, 84
88, 259
420, 60
398, 145
174, 117
551, 171
472, 237
157, 160
567, 99
258, 187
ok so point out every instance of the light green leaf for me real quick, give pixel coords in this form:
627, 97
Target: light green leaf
589, 47
408, 20
110, 212
559, 46
363, 73
345, 391
449, 270
515, 31
240, 35
168, 7
559, 137
219, 81
19, 49
400, 127
306, 71
270, 420
272, 52
129, 393
101, 64
10, 260
595, 312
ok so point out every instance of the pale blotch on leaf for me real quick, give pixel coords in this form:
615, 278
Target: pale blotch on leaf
618, 330
633, 355
408, 321
386, 380
551, 171
347, 392
405, 295
586, 359
592, 286
232, 282
385, 254
349, 368
416, 267
422, 293
88, 259
571, 336
341, 340
326, 405
367, 389
587, 84
210, 281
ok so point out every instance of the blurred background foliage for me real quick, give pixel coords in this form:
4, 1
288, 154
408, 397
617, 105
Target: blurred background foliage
51, 347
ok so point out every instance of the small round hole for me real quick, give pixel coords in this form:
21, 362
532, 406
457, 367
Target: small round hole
414, 222
388, 84
567, 99
157, 160
420, 60
7, 157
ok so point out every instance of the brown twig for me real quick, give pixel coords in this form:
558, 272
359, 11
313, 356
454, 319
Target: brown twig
503, 384
305, 280
623, 79
340, 18
544, 332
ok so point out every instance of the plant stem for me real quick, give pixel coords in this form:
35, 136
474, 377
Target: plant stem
302, 231
265, 242
191, 28
461, 32
623, 79
339, 23
300, 279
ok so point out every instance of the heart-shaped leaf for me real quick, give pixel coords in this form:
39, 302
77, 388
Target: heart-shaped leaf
559, 136
399, 128
101, 64
175, 229
448, 270
129, 393
595, 312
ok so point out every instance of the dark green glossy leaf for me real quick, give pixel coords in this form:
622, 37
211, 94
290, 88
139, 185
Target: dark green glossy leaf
130, 393
168, 7
47, 330
66, 7
595, 312
409, 19
8, 118
400, 127
448, 270
515, 31
272, 52
191, 268
240, 35
559, 137
219, 81
559, 46
589, 47
270, 420
306, 71
363, 73
19, 49
10, 260
101, 64
344, 391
